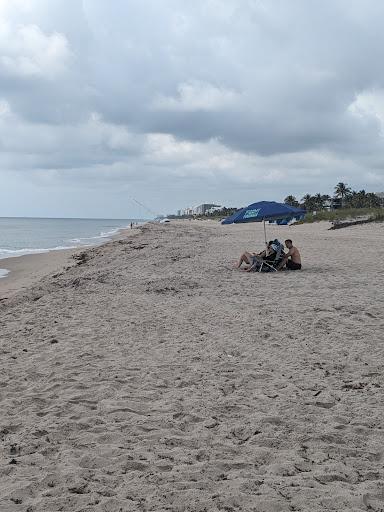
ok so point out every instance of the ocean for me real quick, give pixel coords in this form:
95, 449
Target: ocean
19, 236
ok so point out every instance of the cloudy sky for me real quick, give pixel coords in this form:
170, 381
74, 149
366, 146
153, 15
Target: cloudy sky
178, 102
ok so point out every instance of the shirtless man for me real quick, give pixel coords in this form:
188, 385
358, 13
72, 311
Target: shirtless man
292, 260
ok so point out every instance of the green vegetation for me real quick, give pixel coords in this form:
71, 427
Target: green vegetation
346, 204
345, 198
219, 214
344, 214
378, 216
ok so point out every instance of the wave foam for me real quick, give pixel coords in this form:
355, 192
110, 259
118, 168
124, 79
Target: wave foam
74, 243
102, 235
3, 272
12, 253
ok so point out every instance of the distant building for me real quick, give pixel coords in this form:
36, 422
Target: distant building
327, 204
203, 209
214, 209
332, 204
185, 212
336, 203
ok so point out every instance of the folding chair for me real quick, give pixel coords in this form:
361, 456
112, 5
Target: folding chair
271, 265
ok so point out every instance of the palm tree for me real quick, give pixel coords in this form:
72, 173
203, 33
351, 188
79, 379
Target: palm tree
353, 200
319, 201
309, 202
373, 201
291, 201
342, 190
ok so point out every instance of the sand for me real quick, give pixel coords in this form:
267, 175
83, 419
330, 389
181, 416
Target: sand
20, 273
24, 271
152, 376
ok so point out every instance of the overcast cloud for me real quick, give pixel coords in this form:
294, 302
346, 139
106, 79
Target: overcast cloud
177, 102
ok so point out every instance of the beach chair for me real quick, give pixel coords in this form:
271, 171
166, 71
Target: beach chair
272, 264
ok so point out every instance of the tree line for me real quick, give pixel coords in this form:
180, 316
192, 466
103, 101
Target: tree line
347, 197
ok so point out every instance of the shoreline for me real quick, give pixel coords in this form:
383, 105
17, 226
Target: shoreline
24, 271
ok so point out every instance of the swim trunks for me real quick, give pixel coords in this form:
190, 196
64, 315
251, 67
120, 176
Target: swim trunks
291, 265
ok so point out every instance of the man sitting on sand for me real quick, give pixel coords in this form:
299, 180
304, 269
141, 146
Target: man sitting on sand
291, 260
250, 258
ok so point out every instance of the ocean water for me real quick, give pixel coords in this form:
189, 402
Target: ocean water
19, 236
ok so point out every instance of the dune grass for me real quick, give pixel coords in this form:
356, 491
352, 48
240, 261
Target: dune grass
345, 214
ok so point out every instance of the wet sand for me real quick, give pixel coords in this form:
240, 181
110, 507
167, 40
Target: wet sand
26, 270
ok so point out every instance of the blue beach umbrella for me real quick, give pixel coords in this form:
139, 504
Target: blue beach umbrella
262, 211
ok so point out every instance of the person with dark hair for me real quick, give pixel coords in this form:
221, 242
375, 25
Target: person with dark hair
292, 259
250, 258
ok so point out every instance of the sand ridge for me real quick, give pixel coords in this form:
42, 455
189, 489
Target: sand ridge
151, 375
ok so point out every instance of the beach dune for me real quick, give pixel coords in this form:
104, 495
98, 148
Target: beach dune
151, 375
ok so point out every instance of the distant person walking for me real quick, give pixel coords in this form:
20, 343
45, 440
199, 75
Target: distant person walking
291, 260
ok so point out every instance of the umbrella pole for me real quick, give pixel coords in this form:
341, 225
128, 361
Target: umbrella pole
265, 233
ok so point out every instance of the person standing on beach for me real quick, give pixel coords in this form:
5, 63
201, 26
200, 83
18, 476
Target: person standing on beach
291, 260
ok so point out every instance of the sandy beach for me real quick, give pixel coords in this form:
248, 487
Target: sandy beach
148, 374
22, 272
26, 270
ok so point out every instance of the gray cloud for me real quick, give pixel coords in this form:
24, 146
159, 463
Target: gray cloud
177, 101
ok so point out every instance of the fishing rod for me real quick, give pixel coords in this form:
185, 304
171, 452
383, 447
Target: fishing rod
143, 206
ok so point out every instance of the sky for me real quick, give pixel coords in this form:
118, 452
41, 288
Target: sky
173, 103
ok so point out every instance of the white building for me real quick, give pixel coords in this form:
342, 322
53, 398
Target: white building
203, 209
213, 209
